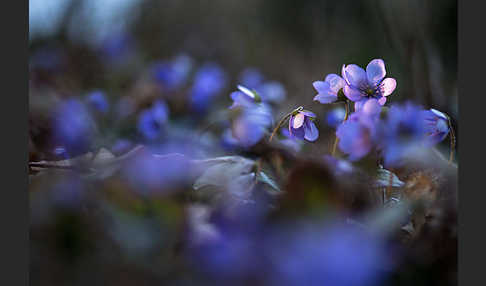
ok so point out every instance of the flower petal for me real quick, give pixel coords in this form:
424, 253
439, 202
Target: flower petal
375, 71
308, 113
298, 120
352, 93
438, 113
310, 130
387, 86
321, 86
372, 107
335, 82
246, 91
323, 98
241, 99
358, 105
356, 76
382, 100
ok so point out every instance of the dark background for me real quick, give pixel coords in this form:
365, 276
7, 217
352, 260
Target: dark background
295, 42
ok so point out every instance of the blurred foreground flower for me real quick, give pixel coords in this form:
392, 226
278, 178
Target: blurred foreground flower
173, 74
336, 256
335, 117
97, 100
244, 97
358, 134
251, 77
151, 121
209, 81
404, 132
74, 127
250, 127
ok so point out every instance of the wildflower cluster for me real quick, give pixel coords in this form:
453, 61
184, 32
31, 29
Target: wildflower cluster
394, 133
219, 186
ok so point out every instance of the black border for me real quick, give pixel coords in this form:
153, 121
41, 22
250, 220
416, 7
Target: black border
14, 212
472, 196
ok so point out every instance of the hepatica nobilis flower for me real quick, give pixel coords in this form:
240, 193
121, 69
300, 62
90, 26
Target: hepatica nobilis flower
327, 90
436, 125
97, 100
301, 126
172, 74
251, 125
403, 133
357, 135
244, 97
152, 120
361, 84
209, 81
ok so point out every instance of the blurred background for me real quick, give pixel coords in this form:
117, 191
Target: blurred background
118, 57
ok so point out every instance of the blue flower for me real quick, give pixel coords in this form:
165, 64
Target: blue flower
243, 97
336, 256
404, 132
250, 127
251, 77
150, 174
361, 84
173, 74
97, 100
335, 117
272, 92
209, 81
301, 126
358, 134
151, 121
327, 90
74, 127
436, 125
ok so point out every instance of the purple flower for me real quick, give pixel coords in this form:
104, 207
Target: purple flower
151, 121
361, 84
403, 133
243, 97
436, 125
97, 100
251, 125
74, 127
358, 134
251, 77
301, 126
272, 92
149, 173
340, 255
335, 117
209, 80
171, 75
327, 90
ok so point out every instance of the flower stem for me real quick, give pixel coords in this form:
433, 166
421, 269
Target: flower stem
346, 115
452, 136
282, 121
